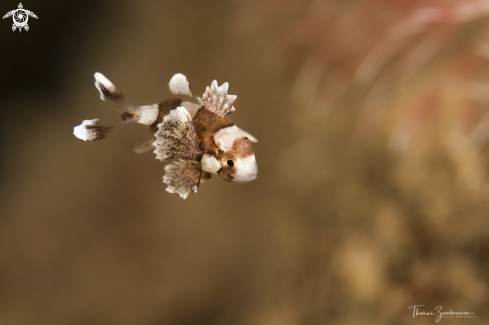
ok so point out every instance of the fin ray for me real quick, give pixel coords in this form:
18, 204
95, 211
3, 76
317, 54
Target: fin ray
91, 130
217, 100
176, 137
182, 177
107, 89
179, 85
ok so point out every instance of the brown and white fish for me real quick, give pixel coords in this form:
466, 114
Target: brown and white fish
192, 130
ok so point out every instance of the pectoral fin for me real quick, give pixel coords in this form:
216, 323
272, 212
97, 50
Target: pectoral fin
176, 137
182, 177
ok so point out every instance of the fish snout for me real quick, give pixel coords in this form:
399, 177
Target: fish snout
246, 170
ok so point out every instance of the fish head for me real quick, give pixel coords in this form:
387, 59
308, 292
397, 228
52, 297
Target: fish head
238, 165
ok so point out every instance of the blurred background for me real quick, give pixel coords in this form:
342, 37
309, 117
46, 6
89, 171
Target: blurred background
372, 196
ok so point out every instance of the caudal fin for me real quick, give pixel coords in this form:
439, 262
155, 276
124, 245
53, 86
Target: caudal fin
130, 114
108, 90
91, 130
94, 130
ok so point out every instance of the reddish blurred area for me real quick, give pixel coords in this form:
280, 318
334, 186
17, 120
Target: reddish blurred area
372, 122
385, 50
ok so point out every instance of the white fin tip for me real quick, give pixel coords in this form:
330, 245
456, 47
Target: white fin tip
179, 85
89, 130
107, 89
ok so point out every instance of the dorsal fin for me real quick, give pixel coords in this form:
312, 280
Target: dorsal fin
179, 85
217, 100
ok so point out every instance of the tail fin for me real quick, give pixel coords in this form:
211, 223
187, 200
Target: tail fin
92, 130
131, 114
108, 90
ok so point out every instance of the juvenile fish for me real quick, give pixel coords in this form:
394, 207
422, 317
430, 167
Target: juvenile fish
195, 133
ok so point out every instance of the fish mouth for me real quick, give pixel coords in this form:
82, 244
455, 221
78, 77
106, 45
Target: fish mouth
244, 178
246, 170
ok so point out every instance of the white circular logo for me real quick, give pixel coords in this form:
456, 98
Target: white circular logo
20, 17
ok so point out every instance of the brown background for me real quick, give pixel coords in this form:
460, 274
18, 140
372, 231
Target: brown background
344, 224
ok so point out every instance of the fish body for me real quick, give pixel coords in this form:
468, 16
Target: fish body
194, 132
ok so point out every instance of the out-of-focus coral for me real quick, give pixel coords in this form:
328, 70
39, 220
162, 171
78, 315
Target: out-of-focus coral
390, 99
409, 60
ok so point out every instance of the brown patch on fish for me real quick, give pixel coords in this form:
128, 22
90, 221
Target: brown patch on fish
226, 173
126, 116
242, 146
164, 109
207, 123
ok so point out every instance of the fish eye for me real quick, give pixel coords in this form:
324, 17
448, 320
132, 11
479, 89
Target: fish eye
230, 163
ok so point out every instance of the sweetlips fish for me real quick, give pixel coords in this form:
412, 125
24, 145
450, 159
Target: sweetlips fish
194, 132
